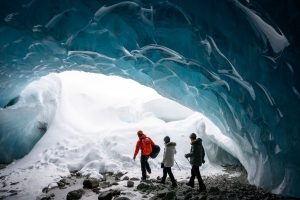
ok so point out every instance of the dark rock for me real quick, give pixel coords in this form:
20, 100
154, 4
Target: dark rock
61, 183
188, 196
14, 183
119, 174
122, 198
75, 194
214, 190
45, 190
108, 195
91, 183
134, 179
114, 183
44, 197
96, 190
143, 186
130, 183
126, 178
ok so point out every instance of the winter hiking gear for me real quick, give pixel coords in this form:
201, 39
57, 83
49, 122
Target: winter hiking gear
196, 156
168, 161
155, 151
145, 166
144, 143
167, 139
169, 152
167, 170
197, 152
195, 172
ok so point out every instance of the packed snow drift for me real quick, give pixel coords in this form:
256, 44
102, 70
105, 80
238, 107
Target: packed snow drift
92, 129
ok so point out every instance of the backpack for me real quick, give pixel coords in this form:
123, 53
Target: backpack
155, 151
146, 146
203, 153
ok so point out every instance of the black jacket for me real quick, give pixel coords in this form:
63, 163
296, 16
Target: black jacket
196, 154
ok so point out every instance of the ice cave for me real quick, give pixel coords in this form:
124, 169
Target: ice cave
76, 74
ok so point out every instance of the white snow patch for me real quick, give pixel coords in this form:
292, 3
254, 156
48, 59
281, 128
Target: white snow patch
94, 129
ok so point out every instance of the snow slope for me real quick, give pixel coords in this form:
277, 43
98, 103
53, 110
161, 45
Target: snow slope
94, 130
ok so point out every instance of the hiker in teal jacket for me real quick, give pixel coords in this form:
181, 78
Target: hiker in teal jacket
196, 159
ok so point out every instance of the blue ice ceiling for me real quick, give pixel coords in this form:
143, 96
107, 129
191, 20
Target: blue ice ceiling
235, 61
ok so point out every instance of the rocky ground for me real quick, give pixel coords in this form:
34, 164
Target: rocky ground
119, 186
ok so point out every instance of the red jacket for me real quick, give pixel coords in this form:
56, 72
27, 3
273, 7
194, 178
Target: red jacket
145, 144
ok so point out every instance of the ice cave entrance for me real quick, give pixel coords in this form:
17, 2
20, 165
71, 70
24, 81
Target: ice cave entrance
92, 120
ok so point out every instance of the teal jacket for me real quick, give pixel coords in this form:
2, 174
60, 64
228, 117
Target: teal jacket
196, 155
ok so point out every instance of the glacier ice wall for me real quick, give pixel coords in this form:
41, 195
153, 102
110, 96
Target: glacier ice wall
227, 59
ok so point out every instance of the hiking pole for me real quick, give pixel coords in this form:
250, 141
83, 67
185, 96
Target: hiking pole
177, 165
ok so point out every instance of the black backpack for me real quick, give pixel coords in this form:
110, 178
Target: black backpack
155, 151
203, 153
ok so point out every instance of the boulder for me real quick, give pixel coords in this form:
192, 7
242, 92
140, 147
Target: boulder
91, 183
108, 195
130, 183
75, 194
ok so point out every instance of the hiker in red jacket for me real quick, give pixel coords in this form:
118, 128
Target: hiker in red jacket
145, 144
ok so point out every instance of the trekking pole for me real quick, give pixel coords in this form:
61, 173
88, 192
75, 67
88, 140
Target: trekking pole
177, 165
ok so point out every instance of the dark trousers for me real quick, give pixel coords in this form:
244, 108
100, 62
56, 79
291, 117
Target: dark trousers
196, 173
167, 170
145, 166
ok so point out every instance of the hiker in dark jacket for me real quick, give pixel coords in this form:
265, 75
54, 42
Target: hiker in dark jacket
168, 161
196, 160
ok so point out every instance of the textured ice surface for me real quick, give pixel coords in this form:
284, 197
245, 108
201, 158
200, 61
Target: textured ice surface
227, 59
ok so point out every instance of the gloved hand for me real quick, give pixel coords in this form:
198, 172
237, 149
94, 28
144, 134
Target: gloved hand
203, 161
133, 158
186, 155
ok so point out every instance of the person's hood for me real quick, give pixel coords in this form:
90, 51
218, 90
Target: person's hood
171, 144
197, 141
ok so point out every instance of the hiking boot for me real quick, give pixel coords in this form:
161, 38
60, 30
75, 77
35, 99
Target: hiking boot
161, 182
143, 179
190, 185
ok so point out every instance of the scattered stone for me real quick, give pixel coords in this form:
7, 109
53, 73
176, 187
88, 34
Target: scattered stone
91, 183
166, 194
61, 184
108, 195
122, 198
143, 186
119, 174
44, 197
75, 194
45, 190
134, 179
144, 196
214, 190
126, 178
14, 183
114, 183
130, 183
96, 190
